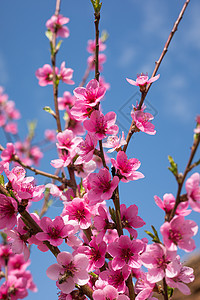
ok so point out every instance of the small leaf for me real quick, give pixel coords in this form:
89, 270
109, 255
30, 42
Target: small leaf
2, 182
31, 129
174, 167
49, 34
50, 111
150, 234
170, 292
58, 45
104, 36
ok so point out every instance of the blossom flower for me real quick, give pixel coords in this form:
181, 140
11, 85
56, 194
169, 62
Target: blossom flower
141, 120
58, 22
85, 149
101, 125
185, 275
13, 288
45, 75
50, 135
66, 74
193, 191
68, 271
143, 80
95, 253
17, 265
100, 222
116, 278
114, 142
125, 252
8, 152
8, 212
108, 293
84, 169
11, 127
130, 219
67, 141
5, 254
101, 186
54, 231
160, 262
92, 46
178, 232
91, 61
91, 95
78, 210
168, 202
143, 288
127, 167
66, 100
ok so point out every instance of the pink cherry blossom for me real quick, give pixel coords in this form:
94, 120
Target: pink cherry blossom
85, 149
125, 252
78, 210
8, 212
17, 265
14, 288
116, 278
66, 100
11, 127
127, 167
92, 46
160, 262
114, 142
54, 231
130, 219
91, 95
66, 74
68, 271
143, 288
143, 79
101, 125
193, 191
101, 186
108, 293
5, 254
8, 152
185, 275
95, 253
100, 222
168, 202
91, 61
67, 141
45, 75
58, 22
178, 232
50, 135
141, 120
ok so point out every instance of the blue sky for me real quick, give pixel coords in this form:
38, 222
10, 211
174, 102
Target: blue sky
137, 34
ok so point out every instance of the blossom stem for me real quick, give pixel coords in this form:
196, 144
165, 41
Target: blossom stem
86, 75
181, 181
53, 61
165, 289
39, 172
165, 49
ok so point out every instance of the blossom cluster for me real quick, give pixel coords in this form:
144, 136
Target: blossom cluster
106, 249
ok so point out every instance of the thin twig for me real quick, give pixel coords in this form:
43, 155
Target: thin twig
165, 49
182, 179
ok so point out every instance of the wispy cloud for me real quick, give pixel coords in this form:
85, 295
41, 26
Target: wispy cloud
127, 56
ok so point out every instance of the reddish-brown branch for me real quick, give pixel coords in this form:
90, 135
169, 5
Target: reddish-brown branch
165, 49
182, 178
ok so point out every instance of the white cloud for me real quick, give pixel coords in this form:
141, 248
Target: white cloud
127, 56
3, 70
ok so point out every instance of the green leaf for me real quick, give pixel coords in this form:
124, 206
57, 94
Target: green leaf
150, 234
104, 36
49, 34
50, 111
58, 45
2, 182
31, 129
173, 166
170, 292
